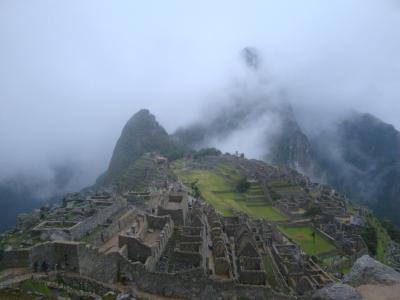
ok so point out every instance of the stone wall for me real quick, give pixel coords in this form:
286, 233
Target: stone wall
91, 261
116, 226
42, 253
252, 277
194, 284
56, 255
222, 266
177, 215
84, 284
137, 251
89, 224
193, 258
157, 222
15, 258
67, 255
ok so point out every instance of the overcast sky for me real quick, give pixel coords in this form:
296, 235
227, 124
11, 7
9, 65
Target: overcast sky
73, 72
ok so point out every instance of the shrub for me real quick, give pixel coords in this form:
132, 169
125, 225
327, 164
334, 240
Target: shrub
371, 239
242, 185
207, 152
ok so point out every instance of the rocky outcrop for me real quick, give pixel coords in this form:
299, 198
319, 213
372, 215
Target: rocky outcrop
141, 134
366, 270
337, 291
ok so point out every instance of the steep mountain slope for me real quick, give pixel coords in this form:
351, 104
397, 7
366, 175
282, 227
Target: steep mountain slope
290, 146
361, 157
279, 135
142, 173
141, 134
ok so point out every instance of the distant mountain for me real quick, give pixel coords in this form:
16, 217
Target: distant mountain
290, 146
284, 142
141, 134
361, 157
25, 192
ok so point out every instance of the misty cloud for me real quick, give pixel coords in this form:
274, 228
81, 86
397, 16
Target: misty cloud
72, 72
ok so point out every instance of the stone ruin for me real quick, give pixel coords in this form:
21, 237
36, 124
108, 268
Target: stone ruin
159, 239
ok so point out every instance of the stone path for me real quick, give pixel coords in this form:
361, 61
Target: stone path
20, 278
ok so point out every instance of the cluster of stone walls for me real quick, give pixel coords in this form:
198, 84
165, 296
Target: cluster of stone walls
137, 250
80, 229
250, 271
252, 277
188, 256
178, 215
194, 284
116, 226
157, 222
222, 263
165, 234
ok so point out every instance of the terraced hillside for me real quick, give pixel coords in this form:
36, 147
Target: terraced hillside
217, 186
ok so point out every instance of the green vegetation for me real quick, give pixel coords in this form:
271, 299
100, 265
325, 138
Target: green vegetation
15, 239
283, 188
140, 174
377, 235
343, 262
267, 212
272, 277
37, 286
371, 239
6, 294
207, 152
303, 236
391, 229
217, 187
312, 211
242, 185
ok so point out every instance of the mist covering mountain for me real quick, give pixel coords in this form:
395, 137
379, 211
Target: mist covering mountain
361, 158
359, 154
25, 192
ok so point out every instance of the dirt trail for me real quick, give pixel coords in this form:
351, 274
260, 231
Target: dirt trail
379, 292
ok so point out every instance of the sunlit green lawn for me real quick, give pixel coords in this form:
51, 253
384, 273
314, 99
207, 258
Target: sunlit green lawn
303, 237
219, 191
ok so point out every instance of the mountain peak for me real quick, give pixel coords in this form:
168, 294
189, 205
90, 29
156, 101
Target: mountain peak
140, 135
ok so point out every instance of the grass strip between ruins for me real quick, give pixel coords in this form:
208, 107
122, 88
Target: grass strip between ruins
217, 187
303, 236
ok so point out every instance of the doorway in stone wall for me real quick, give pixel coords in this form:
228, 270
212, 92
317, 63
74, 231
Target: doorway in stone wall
66, 263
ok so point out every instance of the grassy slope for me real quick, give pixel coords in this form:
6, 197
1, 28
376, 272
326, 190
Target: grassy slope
140, 174
218, 188
383, 238
303, 237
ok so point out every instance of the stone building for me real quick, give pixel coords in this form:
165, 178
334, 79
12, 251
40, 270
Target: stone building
175, 205
146, 241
